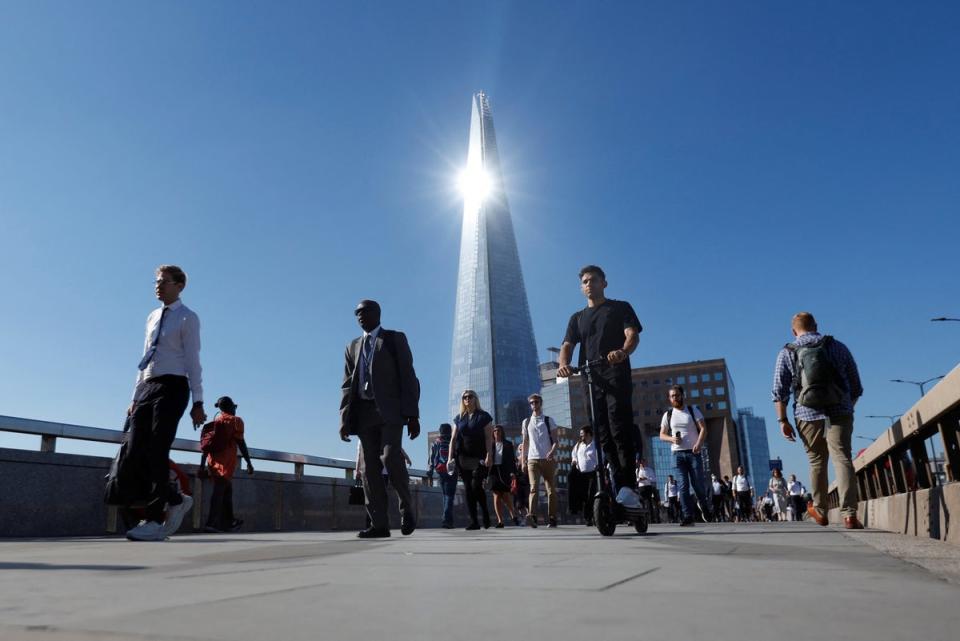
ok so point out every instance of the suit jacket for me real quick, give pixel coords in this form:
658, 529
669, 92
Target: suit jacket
396, 389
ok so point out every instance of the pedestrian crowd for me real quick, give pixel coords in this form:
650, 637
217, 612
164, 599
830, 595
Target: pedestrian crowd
380, 396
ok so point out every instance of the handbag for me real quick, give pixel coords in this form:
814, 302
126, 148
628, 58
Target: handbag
487, 481
357, 496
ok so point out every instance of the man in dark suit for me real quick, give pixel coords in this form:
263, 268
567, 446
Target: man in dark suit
381, 394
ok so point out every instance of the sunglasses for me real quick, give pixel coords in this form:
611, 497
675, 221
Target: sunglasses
467, 397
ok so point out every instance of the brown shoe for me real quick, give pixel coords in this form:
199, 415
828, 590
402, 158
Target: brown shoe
814, 513
851, 523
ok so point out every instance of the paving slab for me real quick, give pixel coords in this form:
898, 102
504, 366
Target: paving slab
747, 581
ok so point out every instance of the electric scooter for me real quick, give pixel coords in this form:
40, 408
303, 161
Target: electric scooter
607, 513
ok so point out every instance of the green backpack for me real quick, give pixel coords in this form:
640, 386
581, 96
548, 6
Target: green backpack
816, 383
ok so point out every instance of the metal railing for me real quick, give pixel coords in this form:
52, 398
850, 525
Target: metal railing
49, 432
898, 460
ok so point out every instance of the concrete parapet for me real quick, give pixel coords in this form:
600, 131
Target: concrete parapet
45, 494
923, 513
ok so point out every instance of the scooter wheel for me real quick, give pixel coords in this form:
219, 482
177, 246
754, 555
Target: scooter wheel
603, 516
640, 525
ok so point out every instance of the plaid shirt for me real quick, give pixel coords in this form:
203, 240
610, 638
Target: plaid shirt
842, 360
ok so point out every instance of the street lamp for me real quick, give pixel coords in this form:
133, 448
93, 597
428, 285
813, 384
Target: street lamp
944, 318
893, 417
866, 438
920, 384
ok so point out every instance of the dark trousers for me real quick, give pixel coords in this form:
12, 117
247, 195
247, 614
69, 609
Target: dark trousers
613, 415
158, 407
718, 508
588, 487
221, 504
673, 508
744, 504
448, 487
473, 488
799, 507
380, 443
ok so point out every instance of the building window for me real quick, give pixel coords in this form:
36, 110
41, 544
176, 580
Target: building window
681, 380
643, 383
693, 378
718, 376
719, 391
694, 393
646, 412
709, 406
668, 381
722, 405
656, 381
707, 391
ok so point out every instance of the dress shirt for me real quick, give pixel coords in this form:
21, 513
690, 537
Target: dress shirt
796, 488
646, 477
178, 348
368, 395
842, 360
586, 456
740, 483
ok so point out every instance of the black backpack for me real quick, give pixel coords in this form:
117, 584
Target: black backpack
693, 417
816, 383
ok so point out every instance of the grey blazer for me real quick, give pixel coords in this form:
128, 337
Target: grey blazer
396, 389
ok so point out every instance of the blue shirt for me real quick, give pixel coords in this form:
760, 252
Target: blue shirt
842, 361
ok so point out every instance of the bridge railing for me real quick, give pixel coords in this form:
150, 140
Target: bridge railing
899, 461
49, 432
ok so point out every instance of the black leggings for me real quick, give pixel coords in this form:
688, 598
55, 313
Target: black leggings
473, 488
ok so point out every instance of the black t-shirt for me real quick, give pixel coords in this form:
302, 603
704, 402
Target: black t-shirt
599, 330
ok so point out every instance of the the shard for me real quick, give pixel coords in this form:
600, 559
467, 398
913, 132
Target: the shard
494, 352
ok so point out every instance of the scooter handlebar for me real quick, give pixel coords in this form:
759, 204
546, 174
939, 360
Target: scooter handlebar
597, 362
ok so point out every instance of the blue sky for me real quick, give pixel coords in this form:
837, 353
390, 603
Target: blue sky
728, 165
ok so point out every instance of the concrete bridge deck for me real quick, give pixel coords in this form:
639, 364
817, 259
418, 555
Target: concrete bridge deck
791, 581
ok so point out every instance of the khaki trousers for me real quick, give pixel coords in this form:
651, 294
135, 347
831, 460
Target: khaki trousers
825, 439
548, 470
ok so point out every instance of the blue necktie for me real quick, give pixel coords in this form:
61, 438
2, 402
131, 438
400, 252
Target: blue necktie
365, 367
152, 350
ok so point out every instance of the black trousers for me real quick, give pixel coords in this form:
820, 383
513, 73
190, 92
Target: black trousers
473, 488
221, 504
613, 415
158, 406
380, 444
588, 487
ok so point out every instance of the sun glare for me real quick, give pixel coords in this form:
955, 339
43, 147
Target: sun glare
474, 184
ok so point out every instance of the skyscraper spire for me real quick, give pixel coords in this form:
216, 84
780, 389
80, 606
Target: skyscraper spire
494, 352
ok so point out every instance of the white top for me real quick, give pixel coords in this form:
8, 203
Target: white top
646, 477
671, 489
178, 350
498, 453
538, 438
740, 483
368, 393
585, 454
717, 489
682, 422
796, 488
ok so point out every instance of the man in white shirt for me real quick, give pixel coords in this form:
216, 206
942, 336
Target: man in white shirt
583, 458
796, 490
169, 373
718, 490
538, 458
743, 494
672, 493
685, 429
647, 486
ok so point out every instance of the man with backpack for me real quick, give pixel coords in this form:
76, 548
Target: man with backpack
822, 376
539, 450
684, 427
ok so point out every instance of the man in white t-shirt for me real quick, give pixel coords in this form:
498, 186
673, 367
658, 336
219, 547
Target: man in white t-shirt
684, 427
671, 492
742, 494
583, 458
539, 449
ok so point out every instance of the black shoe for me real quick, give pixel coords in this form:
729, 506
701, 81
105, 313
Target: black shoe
531, 520
589, 523
473, 526
408, 523
486, 522
499, 525
447, 526
552, 522
373, 533
686, 523
235, 525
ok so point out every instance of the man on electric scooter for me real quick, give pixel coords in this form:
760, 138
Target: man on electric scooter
607, 329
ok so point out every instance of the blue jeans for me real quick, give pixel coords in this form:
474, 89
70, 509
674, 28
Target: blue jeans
690, 472
448, 486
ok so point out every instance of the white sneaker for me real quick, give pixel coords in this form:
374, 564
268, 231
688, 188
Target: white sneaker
147, 531
628, 498
175, 514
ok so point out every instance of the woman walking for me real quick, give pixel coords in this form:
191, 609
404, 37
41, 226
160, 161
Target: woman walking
778, 492
471, 448
503, 474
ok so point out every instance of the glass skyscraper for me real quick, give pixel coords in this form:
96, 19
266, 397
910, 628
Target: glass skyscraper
494, 352
754, 448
